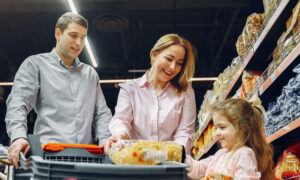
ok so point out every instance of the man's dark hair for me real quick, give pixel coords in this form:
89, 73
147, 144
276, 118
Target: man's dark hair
68, 17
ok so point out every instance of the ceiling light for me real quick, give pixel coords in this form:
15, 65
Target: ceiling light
204, 79
87, 44
6, 83
137, 70
72, 6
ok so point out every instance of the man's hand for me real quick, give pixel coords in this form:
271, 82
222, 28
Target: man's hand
14, 150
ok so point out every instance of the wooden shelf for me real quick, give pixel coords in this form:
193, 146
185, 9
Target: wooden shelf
256, 45
290, 127
281, 68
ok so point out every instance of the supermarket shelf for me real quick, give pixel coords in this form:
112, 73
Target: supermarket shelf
208, 148
234, 80
281, 68
270, 23
199, 132
256, 45
290, 127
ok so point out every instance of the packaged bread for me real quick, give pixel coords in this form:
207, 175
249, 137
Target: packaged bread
268, 5
217, 176
145, 152
250, 31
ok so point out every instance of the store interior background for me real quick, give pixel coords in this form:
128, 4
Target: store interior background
122, 33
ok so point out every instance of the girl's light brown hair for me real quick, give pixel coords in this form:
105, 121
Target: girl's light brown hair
249, 123
181, 81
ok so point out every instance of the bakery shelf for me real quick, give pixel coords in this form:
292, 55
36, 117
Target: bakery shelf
214, 141
280, 69
199, 132
279, 9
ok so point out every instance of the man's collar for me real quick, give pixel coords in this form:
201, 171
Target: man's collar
61, 62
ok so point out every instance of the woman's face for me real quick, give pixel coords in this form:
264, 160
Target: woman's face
168, 62
226, 133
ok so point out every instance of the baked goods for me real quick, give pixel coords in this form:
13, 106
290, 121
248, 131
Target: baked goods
144, 152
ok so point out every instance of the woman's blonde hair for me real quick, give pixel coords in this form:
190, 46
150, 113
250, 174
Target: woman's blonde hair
181, 81
248, 120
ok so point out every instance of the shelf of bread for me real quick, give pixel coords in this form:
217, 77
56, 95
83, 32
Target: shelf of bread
254, 82
204, 114
279, 7
288, 128
206, 120
256, 41
204, 141
213, 142
281, 68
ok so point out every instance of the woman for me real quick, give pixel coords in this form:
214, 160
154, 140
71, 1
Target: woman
160, 105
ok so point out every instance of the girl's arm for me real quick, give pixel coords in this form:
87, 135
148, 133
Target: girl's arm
197, 169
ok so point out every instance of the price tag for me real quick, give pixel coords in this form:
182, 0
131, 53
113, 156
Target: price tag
246, 61
273, 77
260, 90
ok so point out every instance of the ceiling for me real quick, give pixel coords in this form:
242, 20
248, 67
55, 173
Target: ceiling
122, 33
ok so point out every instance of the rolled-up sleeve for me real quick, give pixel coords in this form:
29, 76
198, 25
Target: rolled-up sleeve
22, 99
102, 116
185, 130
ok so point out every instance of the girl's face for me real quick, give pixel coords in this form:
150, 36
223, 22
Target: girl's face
226, 132
168, 62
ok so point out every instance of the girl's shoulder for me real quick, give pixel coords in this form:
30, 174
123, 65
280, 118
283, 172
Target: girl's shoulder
244, 153
245, 149
239, 153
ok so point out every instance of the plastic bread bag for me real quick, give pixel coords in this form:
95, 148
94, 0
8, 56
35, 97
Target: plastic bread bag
145, 152
216, 176
253, 24
240, 46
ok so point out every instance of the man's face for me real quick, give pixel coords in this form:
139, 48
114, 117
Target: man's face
70, 42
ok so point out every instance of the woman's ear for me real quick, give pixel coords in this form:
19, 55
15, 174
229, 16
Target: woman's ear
154, 53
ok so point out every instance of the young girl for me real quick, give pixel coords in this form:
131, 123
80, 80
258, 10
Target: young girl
245, 154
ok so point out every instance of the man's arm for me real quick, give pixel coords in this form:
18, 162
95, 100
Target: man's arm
102, 117
19, 103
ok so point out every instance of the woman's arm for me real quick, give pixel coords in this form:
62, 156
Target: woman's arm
185, 131
121, 121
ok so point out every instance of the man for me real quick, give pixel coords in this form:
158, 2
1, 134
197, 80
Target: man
64, 92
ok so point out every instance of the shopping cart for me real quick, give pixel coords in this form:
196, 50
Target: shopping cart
79, 164
5, 168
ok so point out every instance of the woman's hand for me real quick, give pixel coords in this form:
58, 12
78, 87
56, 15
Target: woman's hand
114, 139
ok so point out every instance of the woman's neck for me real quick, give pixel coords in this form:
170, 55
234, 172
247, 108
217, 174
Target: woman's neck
157, 85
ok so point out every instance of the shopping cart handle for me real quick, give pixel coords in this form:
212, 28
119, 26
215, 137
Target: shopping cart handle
25, 163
